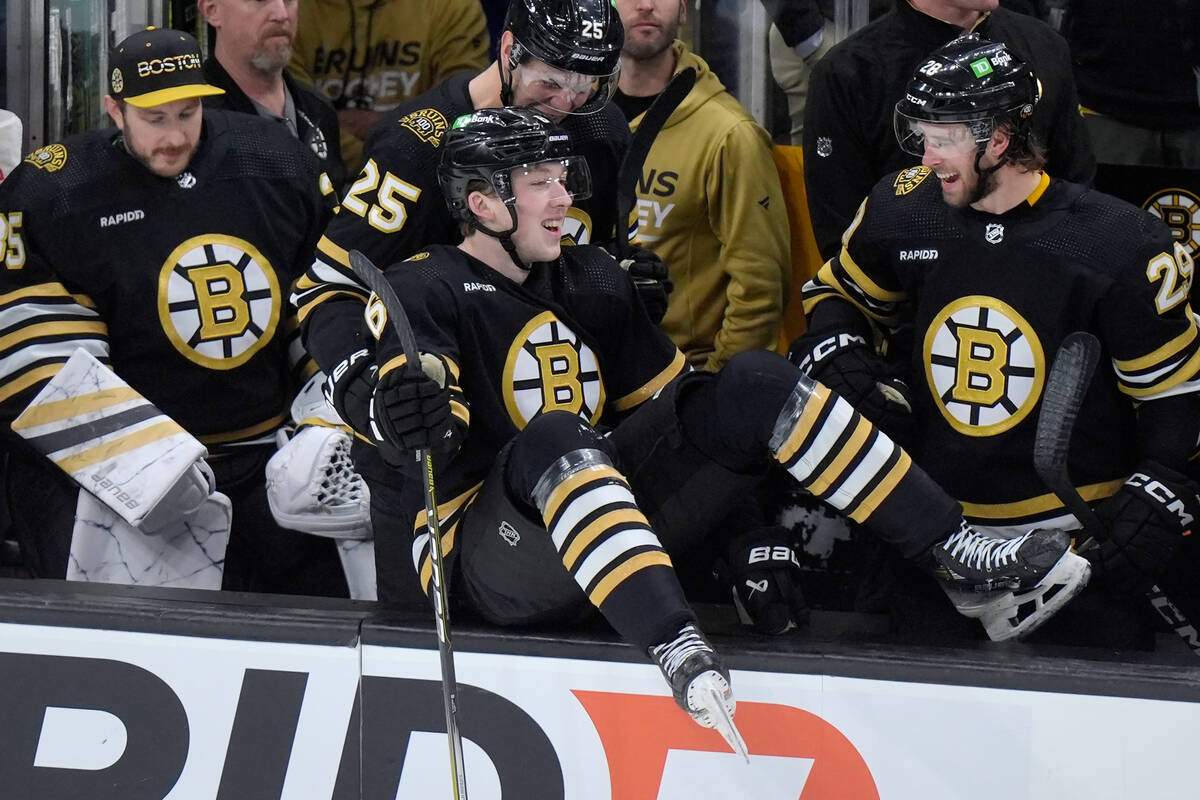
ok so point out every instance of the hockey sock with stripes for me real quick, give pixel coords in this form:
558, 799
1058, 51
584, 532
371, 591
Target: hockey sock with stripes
607, 546
841, 457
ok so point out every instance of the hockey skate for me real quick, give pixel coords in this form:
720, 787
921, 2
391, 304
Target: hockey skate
700, 683
1011, 586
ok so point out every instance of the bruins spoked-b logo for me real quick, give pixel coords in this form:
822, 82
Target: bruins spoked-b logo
550, 369
218, 300
984, 364
1179, 209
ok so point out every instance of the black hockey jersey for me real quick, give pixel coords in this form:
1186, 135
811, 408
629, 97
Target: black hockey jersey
395, 207
573, 337
179, 284
990, 298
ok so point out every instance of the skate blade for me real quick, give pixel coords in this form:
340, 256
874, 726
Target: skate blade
725, 725
998, 611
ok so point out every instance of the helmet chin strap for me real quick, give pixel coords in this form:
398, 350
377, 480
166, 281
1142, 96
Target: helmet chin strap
985, 175
505, 238
514, 61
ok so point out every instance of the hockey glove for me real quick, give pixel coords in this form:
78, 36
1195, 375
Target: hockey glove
180, 501
765, 576
350, 386
845, 363
1146, 522
410, 411
650, 278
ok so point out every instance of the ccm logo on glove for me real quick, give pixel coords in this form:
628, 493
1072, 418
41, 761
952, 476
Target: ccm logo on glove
1162, 495
828, 346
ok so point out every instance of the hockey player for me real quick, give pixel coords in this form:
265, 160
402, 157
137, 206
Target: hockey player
164, 249
987, 263
528, 350
562, 57
848, 144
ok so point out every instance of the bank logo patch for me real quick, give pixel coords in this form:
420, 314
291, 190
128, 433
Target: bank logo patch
218, 300
51, 158
428, 124
549, 368
1179, 209
984, 364
910, 179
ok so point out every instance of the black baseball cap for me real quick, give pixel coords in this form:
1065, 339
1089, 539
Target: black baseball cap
156, 66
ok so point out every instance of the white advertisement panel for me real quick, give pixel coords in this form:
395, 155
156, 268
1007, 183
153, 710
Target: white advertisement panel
103, 714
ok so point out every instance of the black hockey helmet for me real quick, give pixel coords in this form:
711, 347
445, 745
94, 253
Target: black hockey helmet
491, 144
580, 36
969, 80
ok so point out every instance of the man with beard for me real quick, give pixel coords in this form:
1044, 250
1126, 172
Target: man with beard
163, 249
848, 144
709, 202
253, 46
980, 264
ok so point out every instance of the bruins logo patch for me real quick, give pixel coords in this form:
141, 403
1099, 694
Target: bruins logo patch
549, 368
428, 124
421, 256
577, 227
1179, 209
910, 179
218, 300
984, 365
51, 158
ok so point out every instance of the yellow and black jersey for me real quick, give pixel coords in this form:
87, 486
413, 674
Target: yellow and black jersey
572, 337
395, 207
179, 284
988, 299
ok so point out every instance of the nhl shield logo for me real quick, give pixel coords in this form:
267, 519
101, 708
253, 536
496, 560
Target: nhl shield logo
910, 179
994, 233
824, 146
509, 534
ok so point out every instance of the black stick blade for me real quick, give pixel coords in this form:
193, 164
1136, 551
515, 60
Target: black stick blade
1061, 400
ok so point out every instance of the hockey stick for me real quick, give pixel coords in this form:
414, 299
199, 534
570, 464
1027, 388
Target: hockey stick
374, 280
630, 171
1065, 388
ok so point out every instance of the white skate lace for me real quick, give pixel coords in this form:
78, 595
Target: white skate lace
673, 654
984, 553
